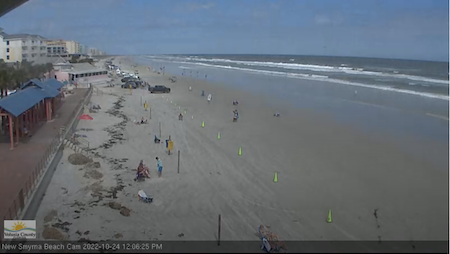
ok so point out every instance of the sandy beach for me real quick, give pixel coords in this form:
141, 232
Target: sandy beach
376, 190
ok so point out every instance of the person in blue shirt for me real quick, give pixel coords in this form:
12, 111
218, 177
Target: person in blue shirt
160, 167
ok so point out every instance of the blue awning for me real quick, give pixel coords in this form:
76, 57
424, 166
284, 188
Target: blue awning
22, 100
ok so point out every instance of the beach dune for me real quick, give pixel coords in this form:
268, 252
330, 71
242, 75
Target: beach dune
375, 190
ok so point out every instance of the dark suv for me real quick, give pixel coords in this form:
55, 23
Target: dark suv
158, 89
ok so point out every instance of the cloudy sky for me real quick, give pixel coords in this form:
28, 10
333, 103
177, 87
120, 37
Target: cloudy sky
408, 29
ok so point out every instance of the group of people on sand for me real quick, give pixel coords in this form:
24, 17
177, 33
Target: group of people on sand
144, 172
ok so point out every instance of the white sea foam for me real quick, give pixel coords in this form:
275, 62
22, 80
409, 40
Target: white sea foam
309, 77
323, 78
310, 67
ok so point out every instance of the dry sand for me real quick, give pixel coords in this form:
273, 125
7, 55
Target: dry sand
375, 190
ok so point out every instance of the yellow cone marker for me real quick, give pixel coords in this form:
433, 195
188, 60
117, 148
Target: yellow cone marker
240, 151
185, 112
329, 220
218, 135
170, 102
192, 117
203, 124
275, 179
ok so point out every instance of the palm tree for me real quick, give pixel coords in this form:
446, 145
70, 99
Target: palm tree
13, 76
5, 77
48, 67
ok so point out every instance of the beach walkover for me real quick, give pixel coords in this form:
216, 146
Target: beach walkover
21, 166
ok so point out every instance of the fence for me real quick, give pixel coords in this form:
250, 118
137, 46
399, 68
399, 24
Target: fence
26, 192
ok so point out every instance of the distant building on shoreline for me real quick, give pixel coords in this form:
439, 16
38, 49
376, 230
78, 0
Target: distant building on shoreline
39, 50
19, 47
73, 47
56, 48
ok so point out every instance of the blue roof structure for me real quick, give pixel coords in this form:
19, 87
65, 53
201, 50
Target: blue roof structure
22, 100
53, 83
45, 87
31, 93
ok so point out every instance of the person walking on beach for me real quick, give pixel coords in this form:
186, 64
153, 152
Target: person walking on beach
160, 167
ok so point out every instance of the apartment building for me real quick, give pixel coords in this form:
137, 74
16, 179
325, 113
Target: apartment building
19, 47
56, 48
84, 50
73, 47
94, 52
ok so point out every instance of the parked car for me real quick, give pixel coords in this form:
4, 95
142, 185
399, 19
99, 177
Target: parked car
158, 89
126, 79
130, 83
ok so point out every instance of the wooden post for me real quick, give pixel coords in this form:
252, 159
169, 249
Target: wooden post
141, 100
11, 133
178, 161
150, 112
218, 235
159, 130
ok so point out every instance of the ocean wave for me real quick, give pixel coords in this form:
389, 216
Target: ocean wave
320, 78
310, 67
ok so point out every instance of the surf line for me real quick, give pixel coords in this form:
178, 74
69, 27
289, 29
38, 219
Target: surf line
438, 116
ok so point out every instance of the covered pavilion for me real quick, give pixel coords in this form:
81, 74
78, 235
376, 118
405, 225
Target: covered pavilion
35, 102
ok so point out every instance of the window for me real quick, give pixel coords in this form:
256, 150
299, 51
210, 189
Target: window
7, 43
7, 57
7, 50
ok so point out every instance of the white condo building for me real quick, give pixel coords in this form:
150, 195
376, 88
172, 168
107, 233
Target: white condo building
19, 47
73, 47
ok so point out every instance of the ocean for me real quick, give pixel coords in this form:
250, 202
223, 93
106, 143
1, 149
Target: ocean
399, 97
410, 75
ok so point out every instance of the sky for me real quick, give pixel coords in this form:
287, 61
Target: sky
404, 29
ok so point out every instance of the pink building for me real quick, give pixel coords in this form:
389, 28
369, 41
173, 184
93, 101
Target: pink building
79, 73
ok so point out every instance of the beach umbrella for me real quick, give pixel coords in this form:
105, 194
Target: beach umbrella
85, 117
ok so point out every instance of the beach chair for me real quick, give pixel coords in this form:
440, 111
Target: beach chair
143, 197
